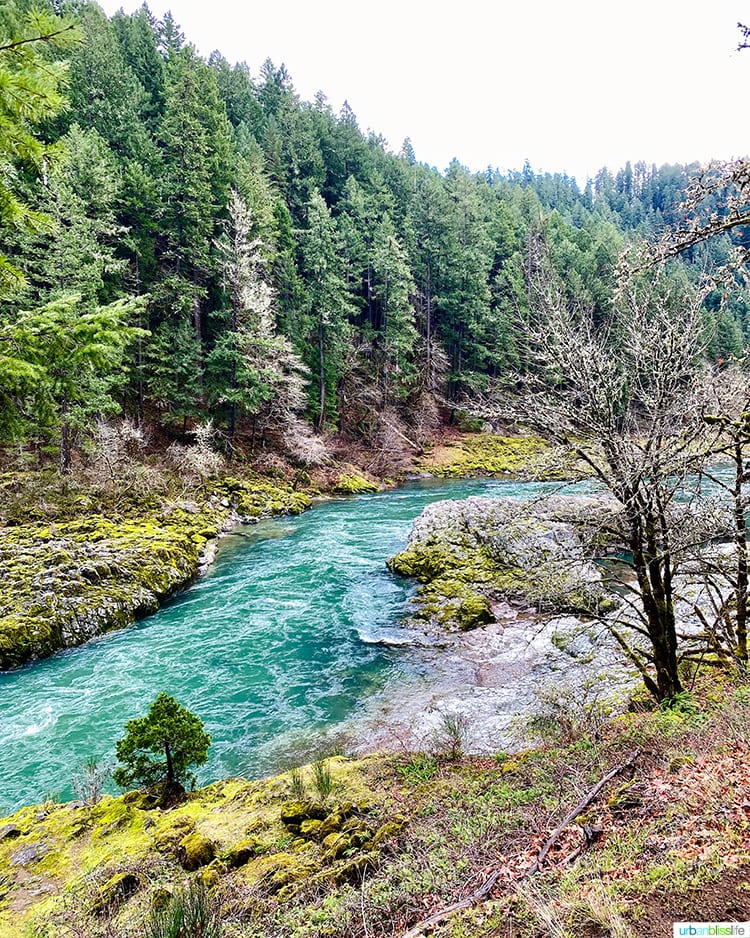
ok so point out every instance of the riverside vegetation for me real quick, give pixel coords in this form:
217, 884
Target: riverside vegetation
278, 299
372, 846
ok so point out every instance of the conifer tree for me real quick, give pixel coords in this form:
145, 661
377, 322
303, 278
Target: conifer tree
78, 254
195, 143
31, 91
64, 361
393, 288
159, 749
330, 305
252, 368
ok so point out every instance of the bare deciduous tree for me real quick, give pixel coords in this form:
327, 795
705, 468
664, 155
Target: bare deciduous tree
626, 397
727, 572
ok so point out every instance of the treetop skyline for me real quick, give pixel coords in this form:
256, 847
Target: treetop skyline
570, 88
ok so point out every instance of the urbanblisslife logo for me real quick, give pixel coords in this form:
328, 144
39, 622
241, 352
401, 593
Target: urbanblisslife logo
710, 929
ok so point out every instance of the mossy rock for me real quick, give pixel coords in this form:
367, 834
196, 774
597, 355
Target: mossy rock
349, 483
313, 830
453, 604
160, 898
358, 831
285, 869
241, 853
470, 552
679, 762
336, 845
424, 561
212, 874
167, 840
114, 892
29, 854
354, 868
196, 851
293, 813
388, 831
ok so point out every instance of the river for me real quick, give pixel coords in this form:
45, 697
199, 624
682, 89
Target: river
287, 643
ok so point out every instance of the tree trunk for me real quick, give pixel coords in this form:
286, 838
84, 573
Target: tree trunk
65, 447
231, 422
140, 408
322, 397
236, 301
429, 328
170, 786
170, 764
652, 563
740, 543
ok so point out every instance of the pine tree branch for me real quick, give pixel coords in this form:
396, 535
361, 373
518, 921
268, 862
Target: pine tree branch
45, 37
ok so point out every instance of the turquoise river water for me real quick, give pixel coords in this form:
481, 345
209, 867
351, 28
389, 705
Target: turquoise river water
287, 637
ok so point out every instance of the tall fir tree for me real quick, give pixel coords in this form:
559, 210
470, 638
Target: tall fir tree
330, 306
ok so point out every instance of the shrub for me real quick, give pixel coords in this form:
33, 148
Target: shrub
158, 749
297, 784
89, 780
449, 739
322, 778
188, 913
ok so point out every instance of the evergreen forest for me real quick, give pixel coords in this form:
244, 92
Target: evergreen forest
508, 697
184, 242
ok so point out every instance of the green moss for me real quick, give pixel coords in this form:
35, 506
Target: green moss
486, 454
196, 851
230, 829
114, 892
349, 483
452, 603
258, 498
389, 831
240, 853
424, 561
285, 869
63, 584
295, 813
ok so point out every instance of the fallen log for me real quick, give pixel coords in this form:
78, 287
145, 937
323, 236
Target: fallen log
486, 888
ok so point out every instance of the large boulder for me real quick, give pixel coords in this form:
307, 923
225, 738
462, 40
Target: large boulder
472, 552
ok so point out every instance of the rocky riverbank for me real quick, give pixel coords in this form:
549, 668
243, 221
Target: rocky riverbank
74, 565
62, 583
470, 554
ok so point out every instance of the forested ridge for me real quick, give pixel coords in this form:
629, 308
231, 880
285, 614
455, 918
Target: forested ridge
218, 302
198, 243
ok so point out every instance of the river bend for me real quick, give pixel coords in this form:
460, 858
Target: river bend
289, 637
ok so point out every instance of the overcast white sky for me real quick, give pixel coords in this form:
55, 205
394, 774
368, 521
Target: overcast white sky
570, 85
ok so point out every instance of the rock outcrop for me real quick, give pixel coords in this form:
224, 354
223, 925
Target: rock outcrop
468, 554
65, 583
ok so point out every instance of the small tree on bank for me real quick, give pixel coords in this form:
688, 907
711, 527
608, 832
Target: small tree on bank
158, 750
